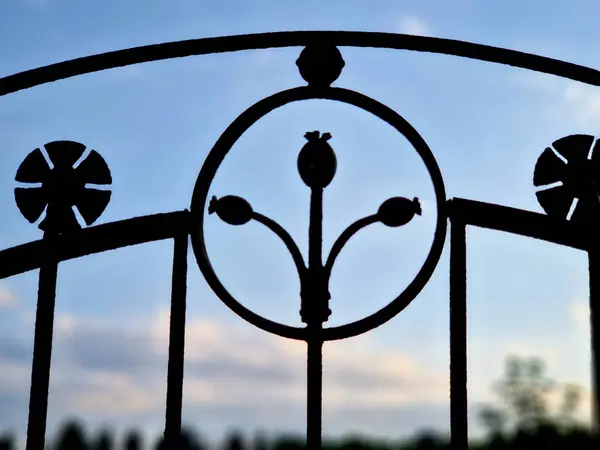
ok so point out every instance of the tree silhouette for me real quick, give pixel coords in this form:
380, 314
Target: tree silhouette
235, 441
429, 440
284, 442
7, 442
260, 441
524, 391
71, 437
133, 440
570, 405
104, 441
160, 443
523, 419
190, 440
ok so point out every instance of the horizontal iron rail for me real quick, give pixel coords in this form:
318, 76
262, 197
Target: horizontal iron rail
97, 239
139, 230
519, 221
222, 44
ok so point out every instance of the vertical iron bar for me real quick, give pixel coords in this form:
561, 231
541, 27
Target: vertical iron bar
315, 229
458, 334
176, 343
594, 271
314, 391
42, 348
314, 359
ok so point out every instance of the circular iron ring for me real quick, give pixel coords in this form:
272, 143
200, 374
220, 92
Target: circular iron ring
224, 144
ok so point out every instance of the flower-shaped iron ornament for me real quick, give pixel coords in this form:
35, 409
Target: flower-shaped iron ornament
316, 165
570, 179
63, 186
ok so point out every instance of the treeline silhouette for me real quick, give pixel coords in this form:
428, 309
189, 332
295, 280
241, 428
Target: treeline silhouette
522, 419
73, 437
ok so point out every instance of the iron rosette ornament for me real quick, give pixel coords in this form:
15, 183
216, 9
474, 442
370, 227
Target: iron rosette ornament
62, 187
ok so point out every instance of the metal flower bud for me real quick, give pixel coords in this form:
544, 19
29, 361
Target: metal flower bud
231, 209
398, 211
317, 163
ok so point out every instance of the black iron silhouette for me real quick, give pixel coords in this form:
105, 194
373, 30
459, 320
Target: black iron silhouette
578, 177
316, 165
63, 187
573, 162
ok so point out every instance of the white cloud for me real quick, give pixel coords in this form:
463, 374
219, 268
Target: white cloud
415, 26
7, 299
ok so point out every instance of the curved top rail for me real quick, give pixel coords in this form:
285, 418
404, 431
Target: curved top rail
205, 46
96, 239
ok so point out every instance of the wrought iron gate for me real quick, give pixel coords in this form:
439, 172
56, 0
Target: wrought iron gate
320, 63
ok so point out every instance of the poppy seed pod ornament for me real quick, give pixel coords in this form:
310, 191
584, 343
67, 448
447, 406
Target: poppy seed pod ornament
398, 211
317, 163
231, 209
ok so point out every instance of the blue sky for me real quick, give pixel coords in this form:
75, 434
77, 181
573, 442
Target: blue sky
155, 123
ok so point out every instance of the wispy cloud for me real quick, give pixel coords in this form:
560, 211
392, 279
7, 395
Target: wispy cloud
584, 102
221, 363
106, 371
566, 101
413, 25
579, 311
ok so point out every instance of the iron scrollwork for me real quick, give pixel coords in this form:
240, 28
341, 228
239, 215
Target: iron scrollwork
317, 163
